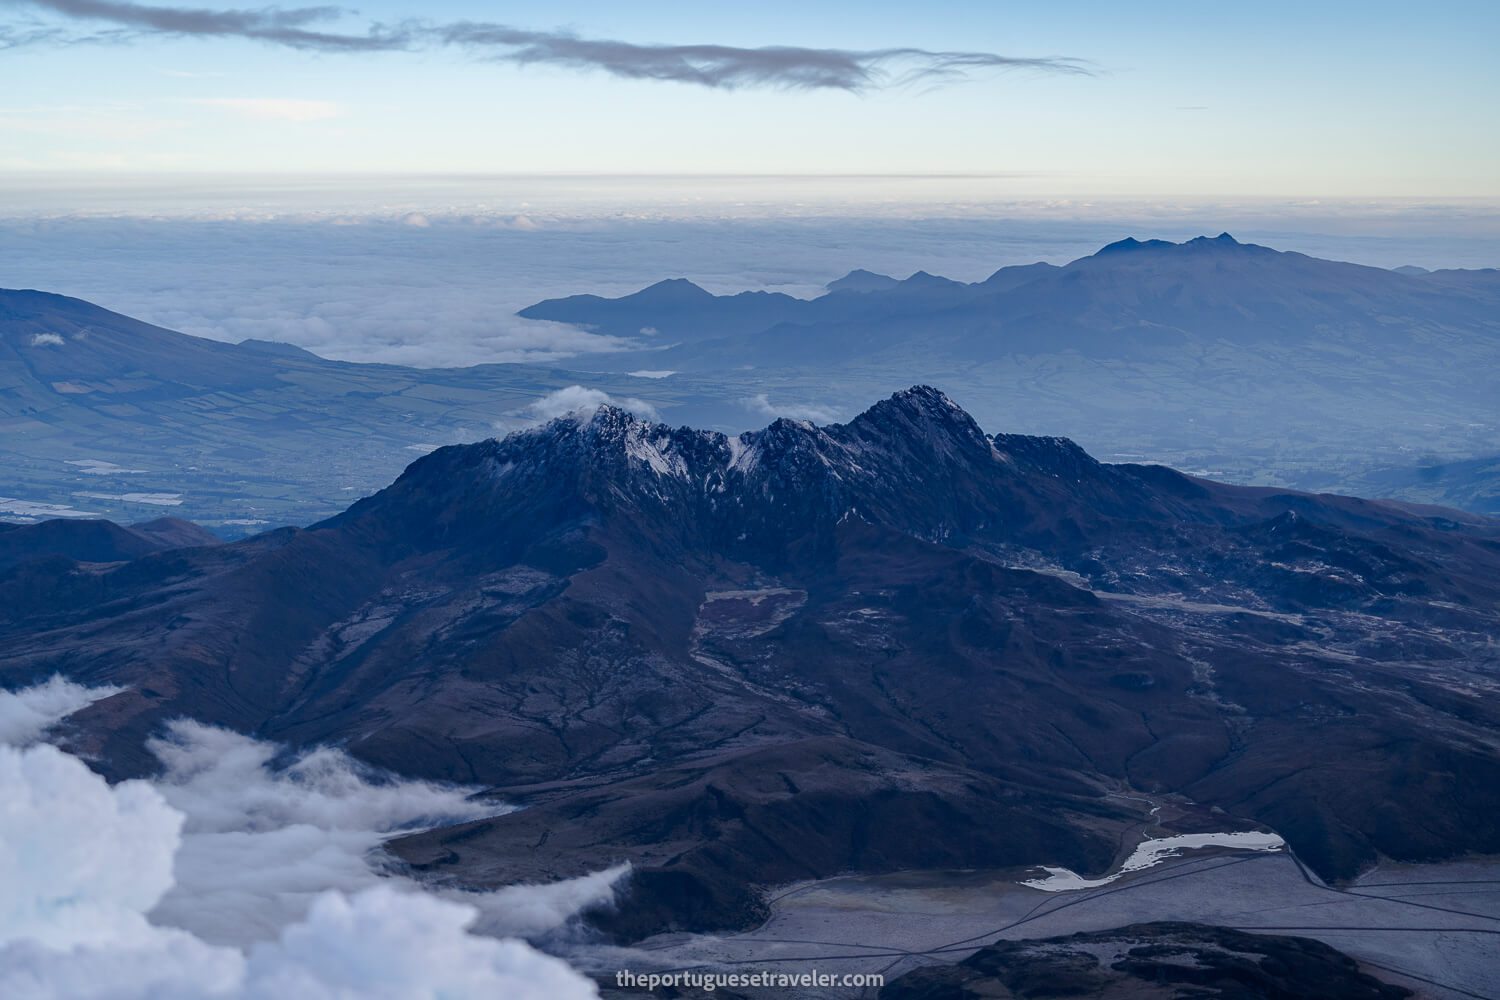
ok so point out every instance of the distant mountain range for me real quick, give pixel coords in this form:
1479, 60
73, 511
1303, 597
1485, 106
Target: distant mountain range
1234, 359
1230, 360
1130, 299
103, 413
897, 642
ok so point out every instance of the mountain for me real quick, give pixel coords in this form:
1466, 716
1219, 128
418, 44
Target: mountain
672, 310
1234, 361
1157, 961
1245, 362
1128, 298
104, 414
1472, 484
91, 540
860, 280
893, 643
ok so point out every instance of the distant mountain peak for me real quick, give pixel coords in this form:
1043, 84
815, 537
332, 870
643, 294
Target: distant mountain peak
860, 280
927, 402
1222, 240
925, 279
674, 289
277, 349
1130, 243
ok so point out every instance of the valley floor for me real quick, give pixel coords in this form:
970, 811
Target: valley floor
1434, 929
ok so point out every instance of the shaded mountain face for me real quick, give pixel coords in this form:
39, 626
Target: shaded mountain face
673, 310
894, 643
104, 414
1473, 484
1130, 298
860, 280
1156, 961
96, 541
1246, 363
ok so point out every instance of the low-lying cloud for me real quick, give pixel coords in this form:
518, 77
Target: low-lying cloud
259, 842
230, 878
722, 67
577, 398
26, 715
761, 404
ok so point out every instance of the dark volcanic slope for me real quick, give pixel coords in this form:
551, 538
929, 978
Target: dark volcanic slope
91, 540
1160, 961
892, 643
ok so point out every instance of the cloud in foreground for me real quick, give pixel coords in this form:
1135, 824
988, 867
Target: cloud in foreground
26, 715
84, 864
724, 67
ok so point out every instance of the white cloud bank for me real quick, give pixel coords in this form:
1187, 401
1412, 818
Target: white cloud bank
575, 398
26, 715
259, 842
760, 404
92, 872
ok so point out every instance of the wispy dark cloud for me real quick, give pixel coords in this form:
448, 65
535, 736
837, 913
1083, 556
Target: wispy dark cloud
728, 67
722, 67
270, 24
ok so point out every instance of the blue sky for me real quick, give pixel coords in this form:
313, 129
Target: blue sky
1363, 100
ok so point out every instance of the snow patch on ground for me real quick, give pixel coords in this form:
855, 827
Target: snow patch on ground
96, 467
29, 508
1151, 852
155, 499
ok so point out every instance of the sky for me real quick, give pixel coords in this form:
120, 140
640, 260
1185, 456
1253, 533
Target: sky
1368, 100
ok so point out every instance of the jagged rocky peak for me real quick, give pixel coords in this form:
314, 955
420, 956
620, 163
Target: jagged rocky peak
609, 435
914, 432
1057, 455
922, 418
916, 461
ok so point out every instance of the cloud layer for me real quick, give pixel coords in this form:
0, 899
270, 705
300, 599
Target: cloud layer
234, 851
259, 842
723, 67
26, 715
816, 412
576, 398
